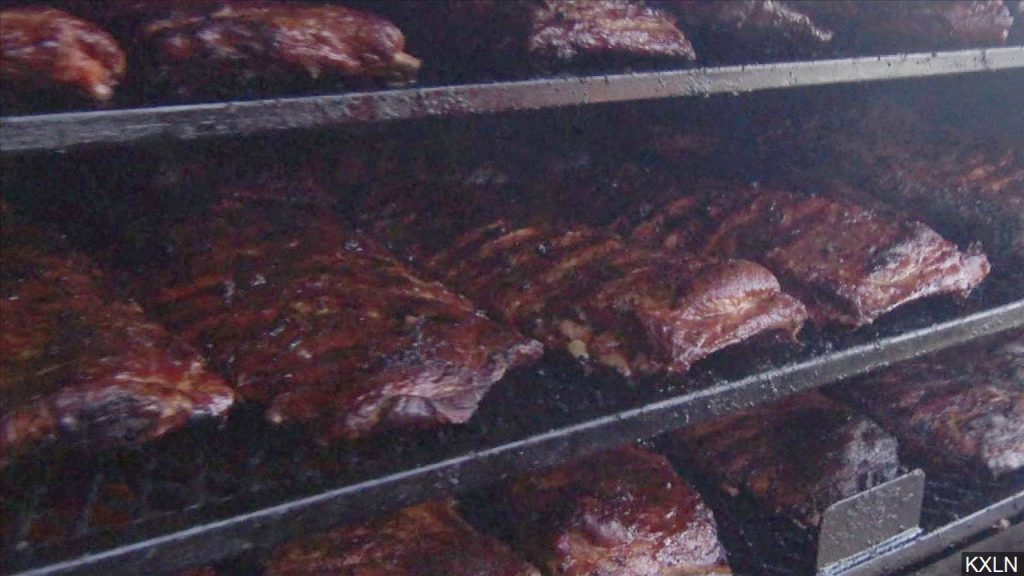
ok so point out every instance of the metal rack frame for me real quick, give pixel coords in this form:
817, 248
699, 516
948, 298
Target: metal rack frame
226, 537
63, 131
258, 529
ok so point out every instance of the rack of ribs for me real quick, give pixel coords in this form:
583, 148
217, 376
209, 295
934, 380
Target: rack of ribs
622, 512
750, 29
78, 364
426, 539
637, 311
915, 25
961, 412
973, 188
50, 52
849, 264
322, 323
565, 30
511, 37
226, 47
794, 458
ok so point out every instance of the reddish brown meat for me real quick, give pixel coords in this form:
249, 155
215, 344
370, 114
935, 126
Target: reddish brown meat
325, 325
750, 29
848, 264
623, 512
471, 39
971, 187
267, 46
565, 30
425, 540
962, 410
76, 362
795, 458
634, 310
50, 52
916, 24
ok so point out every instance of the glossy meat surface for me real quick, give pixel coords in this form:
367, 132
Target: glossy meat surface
623, 512
795, 458
267, 46
563, 30
326, 326
962, 410
916, 24
588, 293
847, 263
78, 364
973, 187
745, 29
48, 51
424, 540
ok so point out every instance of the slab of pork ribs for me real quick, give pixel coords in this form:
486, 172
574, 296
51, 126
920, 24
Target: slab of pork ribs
961, 411
747, 30
912, 24
44, 51
77, 363
970, 186
429, 539
319, 321
225, 48
471, 39
849, 264
591, 294
622, 512
794, 458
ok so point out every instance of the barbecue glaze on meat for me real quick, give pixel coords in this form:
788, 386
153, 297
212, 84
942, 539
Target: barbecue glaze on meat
795, 458
473, 39
741, 29
77, 363
897, 25
565, 30
327, 327
962, 411
429, 539
267, 46
849, 264
637, 311
50, 52
623, 512
973, 188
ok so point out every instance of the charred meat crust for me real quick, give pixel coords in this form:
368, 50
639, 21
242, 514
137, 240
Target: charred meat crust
322, 323
428, 539
77, 363
622, 512
267, 46
849, 264
588, 293
963, 413
795, 458
48, 51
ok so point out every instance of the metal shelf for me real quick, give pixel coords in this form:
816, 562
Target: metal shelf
942, 539
478, 462
63, 131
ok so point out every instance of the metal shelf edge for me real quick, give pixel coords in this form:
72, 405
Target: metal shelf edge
61, 131
268, 526
934, 542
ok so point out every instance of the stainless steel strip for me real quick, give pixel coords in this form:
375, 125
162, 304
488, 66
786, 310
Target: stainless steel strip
63, 131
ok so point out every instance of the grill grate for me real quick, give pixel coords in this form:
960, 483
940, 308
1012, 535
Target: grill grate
75, 503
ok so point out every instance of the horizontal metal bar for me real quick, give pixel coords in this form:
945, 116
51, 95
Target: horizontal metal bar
937, 541
221, 539
188, 122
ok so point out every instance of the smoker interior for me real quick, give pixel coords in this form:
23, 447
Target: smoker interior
70, 504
